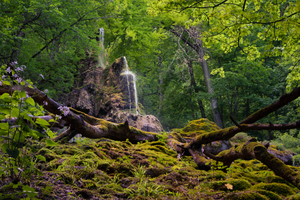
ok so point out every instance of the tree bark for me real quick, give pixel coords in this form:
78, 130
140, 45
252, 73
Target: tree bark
160, 89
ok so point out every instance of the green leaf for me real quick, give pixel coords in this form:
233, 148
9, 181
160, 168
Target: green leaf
30, 101
51, 143
4, 126
29, 191
14, 153
40, 157
42, 122
50, 133
22, 94
6, 83
4, 147
5, 111
36, 134
15, 112
5, 95
52, 120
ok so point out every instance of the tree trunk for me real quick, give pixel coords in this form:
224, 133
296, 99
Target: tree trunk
193, 84
214, 103
160, 89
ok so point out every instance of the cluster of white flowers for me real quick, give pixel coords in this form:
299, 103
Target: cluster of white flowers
20, 68
13, 63
8, 70
64, 109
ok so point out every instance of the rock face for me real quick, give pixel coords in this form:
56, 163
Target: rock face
104, 93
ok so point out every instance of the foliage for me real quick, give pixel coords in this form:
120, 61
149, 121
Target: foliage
19, 133
288, 140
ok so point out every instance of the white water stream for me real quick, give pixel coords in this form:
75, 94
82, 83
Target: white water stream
129, 73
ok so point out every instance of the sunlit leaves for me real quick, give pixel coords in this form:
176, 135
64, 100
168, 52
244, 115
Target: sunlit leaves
293, 79
42, 122
51, 143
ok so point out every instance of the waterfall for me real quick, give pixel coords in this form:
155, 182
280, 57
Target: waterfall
128, 84
101, 55
135, 95
129, 73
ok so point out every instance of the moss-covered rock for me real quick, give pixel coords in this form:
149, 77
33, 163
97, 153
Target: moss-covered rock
245, 196
199, 126
278, 188
231, 184
269, 194
294, 197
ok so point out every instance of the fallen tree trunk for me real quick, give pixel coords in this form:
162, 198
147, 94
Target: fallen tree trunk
97, 128
253, 149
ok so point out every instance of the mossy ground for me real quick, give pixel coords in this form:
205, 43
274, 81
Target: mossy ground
107, 169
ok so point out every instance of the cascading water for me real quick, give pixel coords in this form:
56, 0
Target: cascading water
128, 73
128, 85
101, 55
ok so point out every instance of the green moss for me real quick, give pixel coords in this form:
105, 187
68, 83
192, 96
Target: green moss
245, 196
294, 197
111, 188
48, 154
278, 188
67, 149
240, 138
89, 184
237, 184
199, 126
104, 164
118, 168
157, 146
216, 175
67, 178
88, 155
269, 194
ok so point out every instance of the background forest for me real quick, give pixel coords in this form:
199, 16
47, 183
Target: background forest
226, 58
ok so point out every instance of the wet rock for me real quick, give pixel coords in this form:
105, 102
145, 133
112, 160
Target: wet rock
103, 93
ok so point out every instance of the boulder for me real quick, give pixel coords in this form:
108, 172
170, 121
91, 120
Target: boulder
104, 93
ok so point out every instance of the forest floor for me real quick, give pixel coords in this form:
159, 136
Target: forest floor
107, 169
